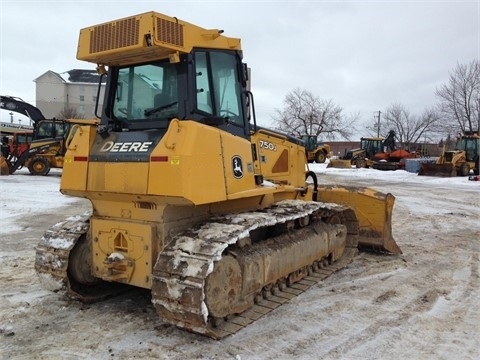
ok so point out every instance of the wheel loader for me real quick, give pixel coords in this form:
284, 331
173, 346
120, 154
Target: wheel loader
315, 151
456, 162
217, 216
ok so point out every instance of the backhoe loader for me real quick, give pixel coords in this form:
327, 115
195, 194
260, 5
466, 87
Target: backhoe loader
459, 162
45, 147
218, 217
361, 157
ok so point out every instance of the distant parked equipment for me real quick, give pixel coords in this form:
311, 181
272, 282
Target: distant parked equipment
17, 143
42, 150
315, 151
459, 162
377, 153
360, 157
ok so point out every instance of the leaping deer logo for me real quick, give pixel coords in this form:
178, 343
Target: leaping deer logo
237, 167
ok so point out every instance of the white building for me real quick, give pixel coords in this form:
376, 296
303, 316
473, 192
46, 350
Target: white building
74, 89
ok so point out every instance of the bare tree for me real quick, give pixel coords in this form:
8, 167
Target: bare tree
460, 98
305, 113
69, 113
410, 129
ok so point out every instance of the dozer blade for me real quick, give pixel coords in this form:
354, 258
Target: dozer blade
340, 164
373, 210
441, 170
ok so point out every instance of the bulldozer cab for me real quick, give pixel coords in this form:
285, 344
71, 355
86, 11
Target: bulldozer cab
148, 96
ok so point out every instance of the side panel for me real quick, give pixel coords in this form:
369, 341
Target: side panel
187, 163
123, 177
238, 164
281, 160
200, 163
75, 163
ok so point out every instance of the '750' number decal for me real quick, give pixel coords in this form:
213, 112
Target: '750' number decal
268, 145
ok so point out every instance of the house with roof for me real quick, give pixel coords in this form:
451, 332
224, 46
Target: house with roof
75, 89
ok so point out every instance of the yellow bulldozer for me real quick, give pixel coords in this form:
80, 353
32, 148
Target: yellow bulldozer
219, 218
460, 161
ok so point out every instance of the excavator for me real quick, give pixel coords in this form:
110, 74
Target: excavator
45, 147
217, 216
391, 158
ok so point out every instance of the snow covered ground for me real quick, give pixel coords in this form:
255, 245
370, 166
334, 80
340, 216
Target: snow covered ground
423, 304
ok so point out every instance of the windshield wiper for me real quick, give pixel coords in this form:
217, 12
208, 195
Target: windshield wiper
159, 108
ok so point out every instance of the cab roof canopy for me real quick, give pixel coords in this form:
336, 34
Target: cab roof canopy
146, 37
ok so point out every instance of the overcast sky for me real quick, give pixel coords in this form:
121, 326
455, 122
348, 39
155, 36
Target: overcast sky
363, 55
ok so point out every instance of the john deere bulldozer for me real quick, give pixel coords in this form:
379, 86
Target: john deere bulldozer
220, 218
460, 161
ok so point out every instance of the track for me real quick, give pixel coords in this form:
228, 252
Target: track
53, 262
183, 294
265, 305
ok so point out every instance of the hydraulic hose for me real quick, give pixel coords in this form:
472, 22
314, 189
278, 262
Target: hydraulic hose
315, 184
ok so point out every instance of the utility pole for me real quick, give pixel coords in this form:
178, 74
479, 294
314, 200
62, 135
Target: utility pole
378, 123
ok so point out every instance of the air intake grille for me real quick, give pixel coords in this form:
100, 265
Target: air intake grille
169, 32
110, 36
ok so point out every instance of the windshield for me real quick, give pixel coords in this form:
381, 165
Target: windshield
146, 92
372, 146
204, 86
48, 129
470, 147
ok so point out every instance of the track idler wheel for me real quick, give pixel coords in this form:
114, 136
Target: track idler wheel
223, 288
80, 263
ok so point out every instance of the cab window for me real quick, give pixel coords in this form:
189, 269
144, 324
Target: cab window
146, 91
218, 90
